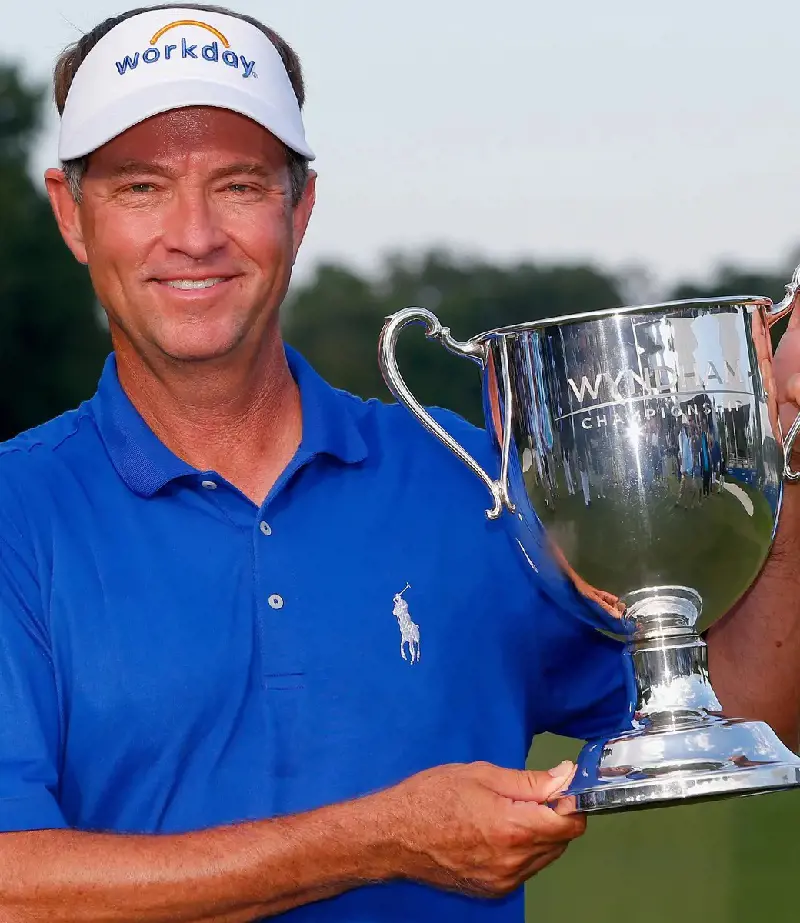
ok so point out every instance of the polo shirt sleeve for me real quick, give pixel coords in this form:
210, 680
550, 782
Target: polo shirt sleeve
29, 725
586, 685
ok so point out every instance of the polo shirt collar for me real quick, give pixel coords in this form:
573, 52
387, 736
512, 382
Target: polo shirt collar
330, 425
146, 465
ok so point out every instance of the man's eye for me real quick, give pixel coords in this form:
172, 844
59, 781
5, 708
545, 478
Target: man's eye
241, 187
141, 187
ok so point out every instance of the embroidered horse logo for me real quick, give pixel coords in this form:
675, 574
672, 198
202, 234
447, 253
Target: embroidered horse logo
409, 631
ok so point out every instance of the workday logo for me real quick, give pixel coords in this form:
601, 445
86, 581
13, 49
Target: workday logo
169, 51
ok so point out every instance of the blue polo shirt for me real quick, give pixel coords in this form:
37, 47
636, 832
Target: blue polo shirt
173, 657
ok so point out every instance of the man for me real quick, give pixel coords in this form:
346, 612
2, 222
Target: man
207, 711
214, 706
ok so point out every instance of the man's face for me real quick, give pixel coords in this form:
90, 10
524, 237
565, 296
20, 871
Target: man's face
188, 230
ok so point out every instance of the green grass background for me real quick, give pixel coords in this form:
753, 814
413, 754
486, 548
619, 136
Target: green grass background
733, 861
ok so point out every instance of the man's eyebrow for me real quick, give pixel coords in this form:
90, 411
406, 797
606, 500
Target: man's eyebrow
247, 168
145, 168
137, 168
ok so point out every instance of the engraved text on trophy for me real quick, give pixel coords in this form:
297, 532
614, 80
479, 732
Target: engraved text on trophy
610, 388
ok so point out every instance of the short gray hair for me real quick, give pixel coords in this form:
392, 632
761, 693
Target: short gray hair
72, 57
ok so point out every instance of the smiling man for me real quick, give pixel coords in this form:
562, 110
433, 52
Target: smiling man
251, 664
235, 681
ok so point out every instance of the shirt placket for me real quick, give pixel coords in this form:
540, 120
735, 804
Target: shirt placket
276, 604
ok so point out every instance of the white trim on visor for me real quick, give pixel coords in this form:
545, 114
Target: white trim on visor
169, 59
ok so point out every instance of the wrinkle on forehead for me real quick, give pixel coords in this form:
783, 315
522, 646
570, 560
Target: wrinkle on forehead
190, 137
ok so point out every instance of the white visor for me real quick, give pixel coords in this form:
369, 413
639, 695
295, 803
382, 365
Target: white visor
169, 59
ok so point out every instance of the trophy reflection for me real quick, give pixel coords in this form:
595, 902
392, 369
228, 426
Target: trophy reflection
646, 441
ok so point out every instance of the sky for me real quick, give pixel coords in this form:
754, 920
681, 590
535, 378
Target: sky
664, 136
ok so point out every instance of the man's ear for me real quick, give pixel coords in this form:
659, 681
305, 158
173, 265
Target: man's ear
302, 212
67, 212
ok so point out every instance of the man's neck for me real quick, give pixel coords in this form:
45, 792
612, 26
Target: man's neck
242, 420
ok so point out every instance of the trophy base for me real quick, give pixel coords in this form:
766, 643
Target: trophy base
706, 760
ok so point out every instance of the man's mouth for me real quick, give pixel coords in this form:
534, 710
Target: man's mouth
189, 284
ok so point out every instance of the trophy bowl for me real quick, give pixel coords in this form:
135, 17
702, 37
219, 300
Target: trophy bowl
646, 442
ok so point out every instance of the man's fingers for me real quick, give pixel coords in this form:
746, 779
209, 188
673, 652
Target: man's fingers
564, 806
541, 862
793, 388
608, 597
614, 609
547, 825
524, 785
786, 364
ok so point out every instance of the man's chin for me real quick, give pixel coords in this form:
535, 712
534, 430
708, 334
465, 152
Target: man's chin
198, 351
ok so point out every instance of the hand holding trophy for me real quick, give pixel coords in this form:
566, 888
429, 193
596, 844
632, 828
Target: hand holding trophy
787, 374
648, 441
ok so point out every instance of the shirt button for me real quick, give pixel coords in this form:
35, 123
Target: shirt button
209, 485
275, 601
265, 528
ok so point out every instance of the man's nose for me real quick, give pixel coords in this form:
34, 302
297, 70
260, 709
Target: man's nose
192, 225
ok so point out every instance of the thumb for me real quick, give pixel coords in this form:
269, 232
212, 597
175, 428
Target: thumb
530, 785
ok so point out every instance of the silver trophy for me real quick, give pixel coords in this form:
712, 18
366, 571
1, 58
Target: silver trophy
646, 441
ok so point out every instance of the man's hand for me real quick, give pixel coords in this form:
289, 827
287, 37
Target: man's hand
608, 601
754, 651
786, 367
473, 828
478, 828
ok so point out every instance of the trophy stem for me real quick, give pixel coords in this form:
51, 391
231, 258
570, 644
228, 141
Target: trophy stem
672, 683
681, 747
669, 659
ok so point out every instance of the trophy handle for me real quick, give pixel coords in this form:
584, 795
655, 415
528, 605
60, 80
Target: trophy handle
396, 384
778, 311
794, 431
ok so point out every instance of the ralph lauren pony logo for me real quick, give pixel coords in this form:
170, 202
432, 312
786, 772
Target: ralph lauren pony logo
409, 630
168, 52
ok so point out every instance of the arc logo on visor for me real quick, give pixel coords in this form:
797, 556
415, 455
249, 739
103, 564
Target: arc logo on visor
217, 52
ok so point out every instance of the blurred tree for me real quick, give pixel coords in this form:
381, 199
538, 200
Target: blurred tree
51, 344
52, 347
729, 280
335, 318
